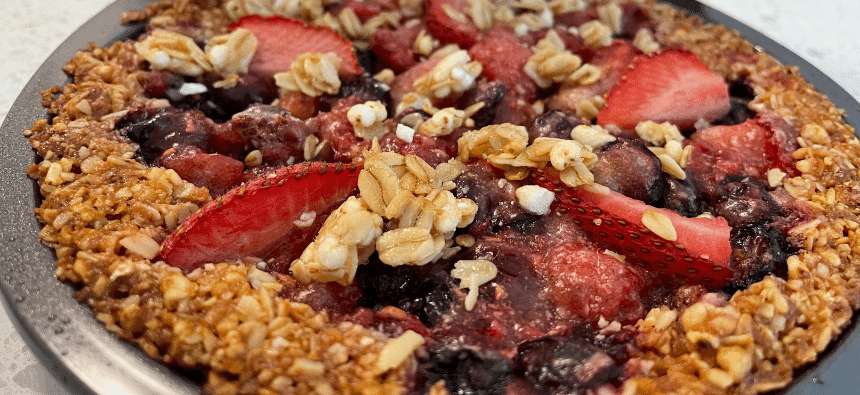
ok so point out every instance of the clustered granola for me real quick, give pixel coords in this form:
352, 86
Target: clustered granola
105, 214
753, 344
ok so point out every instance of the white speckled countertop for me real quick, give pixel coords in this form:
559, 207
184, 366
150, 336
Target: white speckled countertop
822, 32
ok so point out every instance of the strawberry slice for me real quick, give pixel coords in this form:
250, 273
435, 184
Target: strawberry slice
405, 82
577, 18
363, 10
508, 68
395, 48
299, 104
259, 218
447, 21
216, 172
281, 40
591, 284
633, 18
672, 86
700, 252
762, 143
751, 149
612, 60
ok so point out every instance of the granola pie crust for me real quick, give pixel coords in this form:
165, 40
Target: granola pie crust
105, 213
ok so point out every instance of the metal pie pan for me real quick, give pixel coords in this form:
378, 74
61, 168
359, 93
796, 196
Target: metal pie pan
88, 359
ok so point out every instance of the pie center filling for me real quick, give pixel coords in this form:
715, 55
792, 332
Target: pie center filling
520, 212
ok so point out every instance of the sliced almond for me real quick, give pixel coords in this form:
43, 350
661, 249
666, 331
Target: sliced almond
660, 224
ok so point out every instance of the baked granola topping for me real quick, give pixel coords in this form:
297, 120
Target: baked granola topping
505, 220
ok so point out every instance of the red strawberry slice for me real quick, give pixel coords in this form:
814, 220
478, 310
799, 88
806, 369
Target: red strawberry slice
507, 68
458, 30
591, 284
337, 134
701, 252
216, 172
762, 143
299, 104
572, 42
405, 82
395, 48
577, 18
633, 18
258, 218
363, 10
672, 86
612, 61
751, 149
281, 40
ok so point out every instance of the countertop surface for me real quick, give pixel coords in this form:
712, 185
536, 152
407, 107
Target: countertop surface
822, 32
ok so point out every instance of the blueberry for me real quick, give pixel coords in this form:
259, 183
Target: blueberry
365, 87
167, 129
479, 184
682, 198
466, 371
156, 83
756, 252
741, 90
367, 59
744, 202
249, 89
273, 130
218, 104
555, 124
629, 168
489, 93
740, 95
421, 291
511, 214
525, 224
633, 19
560, 365
758, 247
738, 114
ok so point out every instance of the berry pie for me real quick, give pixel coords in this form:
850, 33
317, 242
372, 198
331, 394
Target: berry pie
451, 197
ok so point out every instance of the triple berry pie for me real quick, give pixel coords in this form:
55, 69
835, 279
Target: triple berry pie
451, 197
